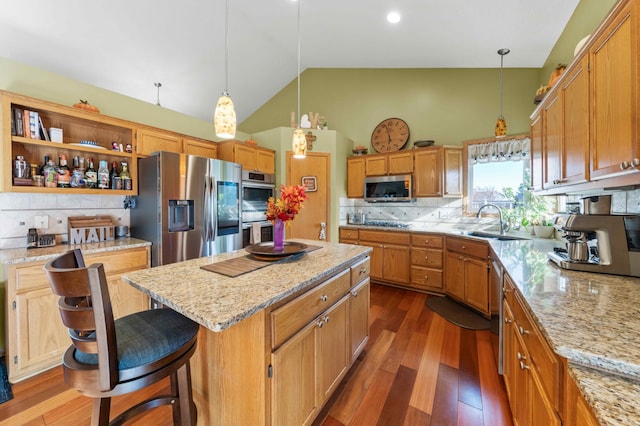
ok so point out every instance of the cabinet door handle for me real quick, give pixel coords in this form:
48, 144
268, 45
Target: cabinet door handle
505, 290
354, 293
521, 357
624, 165
523, 331
635, 162
507, 321
320, 324
324, 298
326, 319
524, 366
464, 247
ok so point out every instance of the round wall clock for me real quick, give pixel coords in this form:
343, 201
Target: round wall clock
390, 135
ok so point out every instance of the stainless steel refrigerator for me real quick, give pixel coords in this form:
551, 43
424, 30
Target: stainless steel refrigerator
187, 206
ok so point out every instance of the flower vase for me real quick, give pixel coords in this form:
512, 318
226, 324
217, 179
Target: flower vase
278, 235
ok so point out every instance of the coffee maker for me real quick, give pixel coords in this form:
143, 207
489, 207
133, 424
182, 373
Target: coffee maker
608, 244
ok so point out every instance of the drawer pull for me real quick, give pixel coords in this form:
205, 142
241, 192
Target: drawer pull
324, 298
464, 247
363, 270
426, 241
523, 331
426, 258
426, 277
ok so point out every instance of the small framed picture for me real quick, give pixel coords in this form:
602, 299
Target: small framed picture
310, 183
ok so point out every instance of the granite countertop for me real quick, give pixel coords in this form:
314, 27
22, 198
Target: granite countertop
218, 302
591, 319
22, 255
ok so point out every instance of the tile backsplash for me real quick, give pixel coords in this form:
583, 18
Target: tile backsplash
18, 213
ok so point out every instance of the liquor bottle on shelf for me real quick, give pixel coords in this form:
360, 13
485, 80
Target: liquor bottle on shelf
127, 183
50, 174
114, 176
44, 164
77, 175
91, 175
103, 175
64, 174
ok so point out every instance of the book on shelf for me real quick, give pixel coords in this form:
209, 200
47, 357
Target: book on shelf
17, 116
34, 125
26, 131
43, 130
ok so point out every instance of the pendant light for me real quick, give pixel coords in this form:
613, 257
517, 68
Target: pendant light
224, 119
299, 143
501, 124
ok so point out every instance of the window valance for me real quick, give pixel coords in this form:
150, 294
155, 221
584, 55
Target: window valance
500, 150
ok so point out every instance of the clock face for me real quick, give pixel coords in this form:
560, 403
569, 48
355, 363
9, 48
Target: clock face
390, 135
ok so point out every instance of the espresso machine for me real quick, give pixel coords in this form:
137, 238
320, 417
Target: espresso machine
608, 244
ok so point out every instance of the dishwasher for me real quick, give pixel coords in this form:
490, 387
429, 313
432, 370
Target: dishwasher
497, 296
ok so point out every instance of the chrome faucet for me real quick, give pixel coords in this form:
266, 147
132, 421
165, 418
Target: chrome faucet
499, 213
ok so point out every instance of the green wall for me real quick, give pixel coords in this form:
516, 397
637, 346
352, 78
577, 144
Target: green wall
585, 19
38, 83
446, 105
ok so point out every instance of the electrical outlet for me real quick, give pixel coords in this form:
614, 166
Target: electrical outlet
42, 222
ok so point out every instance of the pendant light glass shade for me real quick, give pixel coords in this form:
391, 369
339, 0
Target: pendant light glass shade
224, 118
501, 124
299, 144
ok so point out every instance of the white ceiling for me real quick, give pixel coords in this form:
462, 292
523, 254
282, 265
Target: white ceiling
127, 45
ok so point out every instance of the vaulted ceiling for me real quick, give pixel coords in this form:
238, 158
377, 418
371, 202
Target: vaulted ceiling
126, 46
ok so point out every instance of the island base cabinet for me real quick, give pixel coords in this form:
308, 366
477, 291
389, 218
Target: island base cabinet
309, 366
359, 318
229, 374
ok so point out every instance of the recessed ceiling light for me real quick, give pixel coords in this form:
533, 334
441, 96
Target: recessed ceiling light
393, 17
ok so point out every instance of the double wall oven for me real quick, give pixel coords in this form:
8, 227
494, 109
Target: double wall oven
256, 189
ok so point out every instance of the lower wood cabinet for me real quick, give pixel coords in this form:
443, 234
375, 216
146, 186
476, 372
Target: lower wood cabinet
308, 366
467, 272
36, 338
391, 256
427, 262
531, 370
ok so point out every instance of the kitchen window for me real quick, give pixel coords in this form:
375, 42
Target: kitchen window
498, 173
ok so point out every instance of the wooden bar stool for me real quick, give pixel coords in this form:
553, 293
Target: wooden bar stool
109, 358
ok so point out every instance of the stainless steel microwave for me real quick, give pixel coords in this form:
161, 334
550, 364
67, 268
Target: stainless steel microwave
396, 188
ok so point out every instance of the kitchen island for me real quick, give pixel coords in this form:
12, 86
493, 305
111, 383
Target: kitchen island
256, 326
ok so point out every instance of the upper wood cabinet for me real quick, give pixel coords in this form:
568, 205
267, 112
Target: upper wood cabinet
202, 148
588, 123
149, 141
394, 163
438, 172
536, 134
614, 92
251, 157
355, 177
98, 132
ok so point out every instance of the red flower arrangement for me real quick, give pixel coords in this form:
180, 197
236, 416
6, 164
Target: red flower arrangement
288, 205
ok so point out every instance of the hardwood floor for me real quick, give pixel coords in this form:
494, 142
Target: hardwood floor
417, 369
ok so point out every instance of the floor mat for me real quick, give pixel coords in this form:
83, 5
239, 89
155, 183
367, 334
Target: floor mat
457, 313
5, 387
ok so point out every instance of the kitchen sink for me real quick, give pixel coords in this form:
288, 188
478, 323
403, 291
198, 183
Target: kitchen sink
493, 236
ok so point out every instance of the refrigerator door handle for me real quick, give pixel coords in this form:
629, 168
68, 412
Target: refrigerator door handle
206, 226
214, 208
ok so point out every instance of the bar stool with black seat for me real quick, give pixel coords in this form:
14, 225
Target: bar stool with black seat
109, 358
